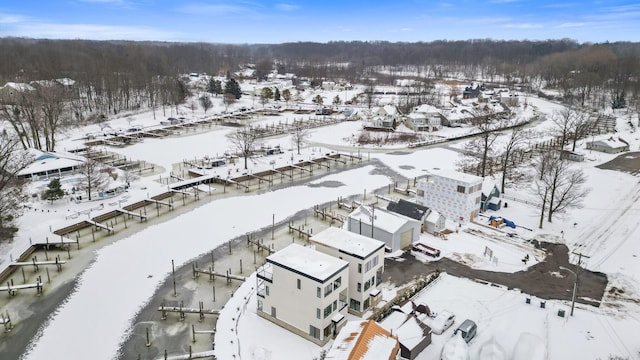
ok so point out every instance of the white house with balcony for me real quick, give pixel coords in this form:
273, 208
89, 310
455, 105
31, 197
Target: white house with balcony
304, 291
454, 194
366, 264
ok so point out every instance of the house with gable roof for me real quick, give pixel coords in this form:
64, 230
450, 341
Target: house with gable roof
424, 118
366, 264
431, 220
490, 199
10, 91
609, 145
396, 231
360, 340
409, 323
384, 117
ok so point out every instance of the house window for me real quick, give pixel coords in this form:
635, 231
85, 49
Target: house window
318, 292
461, 189
359, 268
298, 283
365, 305
335, 305
359, 287
328, 289
354, 305
379, 275
327, 311
273, 312
318, 313
375, 260
314, 332
337, 283
366, 285
266, 290
420, 192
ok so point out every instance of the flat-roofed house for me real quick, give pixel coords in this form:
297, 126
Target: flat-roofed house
304, 291
454, 194
366, 264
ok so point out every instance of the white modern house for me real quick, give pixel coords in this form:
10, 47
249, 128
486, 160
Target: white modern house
454, 194
366, 264
395, 230
304, 291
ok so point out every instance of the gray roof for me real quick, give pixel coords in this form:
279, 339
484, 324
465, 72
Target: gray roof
408, 209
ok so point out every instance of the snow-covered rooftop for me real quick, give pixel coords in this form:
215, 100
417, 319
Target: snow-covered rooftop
307, 261
347, 242
363, 340
456, 175
382, 219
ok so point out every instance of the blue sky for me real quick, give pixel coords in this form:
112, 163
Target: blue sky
261, 21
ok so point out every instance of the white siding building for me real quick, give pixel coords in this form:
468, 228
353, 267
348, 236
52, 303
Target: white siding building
395, 230
454, 194
366, 264
304, 291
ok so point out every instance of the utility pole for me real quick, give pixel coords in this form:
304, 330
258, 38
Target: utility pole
577, 273
373, 217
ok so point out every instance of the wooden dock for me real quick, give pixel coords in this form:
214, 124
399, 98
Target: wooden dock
12, 288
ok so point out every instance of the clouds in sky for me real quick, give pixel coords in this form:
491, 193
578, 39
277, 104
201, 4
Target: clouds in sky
259, 21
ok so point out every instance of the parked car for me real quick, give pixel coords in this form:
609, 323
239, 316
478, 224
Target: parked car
443, 321
467, 330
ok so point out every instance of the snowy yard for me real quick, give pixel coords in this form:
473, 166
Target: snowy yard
605, 229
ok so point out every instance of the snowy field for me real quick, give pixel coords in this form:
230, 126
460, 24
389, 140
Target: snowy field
606, 229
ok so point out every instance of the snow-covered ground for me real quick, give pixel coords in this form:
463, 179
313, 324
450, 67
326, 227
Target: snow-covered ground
606, 229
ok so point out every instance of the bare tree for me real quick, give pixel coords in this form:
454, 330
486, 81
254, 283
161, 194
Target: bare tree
228, 99
558, 186
96, 177
244, 142
300, 136
563, 119
205, 102
12, 161
481, 146
518, 136
581, 125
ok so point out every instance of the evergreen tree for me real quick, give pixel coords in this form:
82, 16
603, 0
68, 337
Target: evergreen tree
214, 87
231, 86
276, 95
54, 191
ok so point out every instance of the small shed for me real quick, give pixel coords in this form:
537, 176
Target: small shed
490, 199
435, 222
395, 230
570, 155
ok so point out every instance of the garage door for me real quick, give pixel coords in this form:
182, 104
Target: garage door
406, 238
